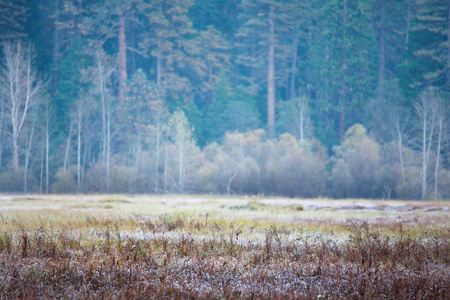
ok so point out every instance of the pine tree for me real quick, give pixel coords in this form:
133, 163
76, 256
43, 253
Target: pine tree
109, 20
428, 55
166, 40
14, 14
342, 66
215, 115
260, 43
141, 96
219, 14
390, 23
209, 54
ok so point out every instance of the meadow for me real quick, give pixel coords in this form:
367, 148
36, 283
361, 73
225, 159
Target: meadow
215, 247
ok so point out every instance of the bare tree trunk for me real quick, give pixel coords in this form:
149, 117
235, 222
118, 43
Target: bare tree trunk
158, 146
166, 162
27, 156
342, 99
438, 153
22, 86
447, 68
56, 43
101, 78
47, 152
400, 150
302, 110
271, 77
447, 146
41, 175
427, 154
108, 150
159, 67
157, 161
180, 167
133, 44
231, 181
1, 133
382, 50
15, 157
424, 157
83, 168
426, 110
399, 123
137, 157
122, 57
294, 65
80, 109
66, 156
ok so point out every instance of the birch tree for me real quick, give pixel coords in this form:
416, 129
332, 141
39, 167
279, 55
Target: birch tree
101, 77
20, 87
47, 116
181, 135
427, 108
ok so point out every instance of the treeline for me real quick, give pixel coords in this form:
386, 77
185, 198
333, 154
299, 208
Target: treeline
160, 96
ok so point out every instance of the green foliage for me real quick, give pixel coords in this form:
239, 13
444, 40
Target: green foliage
230, 112
142, 98
196, 121
343, 51
426, 60
216, 112
69, 82
294, 117
336, 64
13, 21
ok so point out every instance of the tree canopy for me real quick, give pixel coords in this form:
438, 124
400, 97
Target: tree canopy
332, 89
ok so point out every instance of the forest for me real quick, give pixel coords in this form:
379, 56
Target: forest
312, 98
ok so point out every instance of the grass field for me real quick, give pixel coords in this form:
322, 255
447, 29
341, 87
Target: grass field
178, 247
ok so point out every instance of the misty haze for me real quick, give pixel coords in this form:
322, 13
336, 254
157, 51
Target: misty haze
224, 149
292, 98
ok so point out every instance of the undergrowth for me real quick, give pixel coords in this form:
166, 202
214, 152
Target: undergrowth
180, 256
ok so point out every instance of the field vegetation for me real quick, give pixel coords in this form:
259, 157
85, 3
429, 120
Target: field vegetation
198, 247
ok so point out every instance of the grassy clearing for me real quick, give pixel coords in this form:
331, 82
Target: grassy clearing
213, 247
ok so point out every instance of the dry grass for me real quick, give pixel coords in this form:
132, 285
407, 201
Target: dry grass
206, 247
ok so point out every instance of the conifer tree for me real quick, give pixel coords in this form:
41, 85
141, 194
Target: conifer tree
343, 64
260, 44
13, 20
428, 55
166, 40
390, 22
